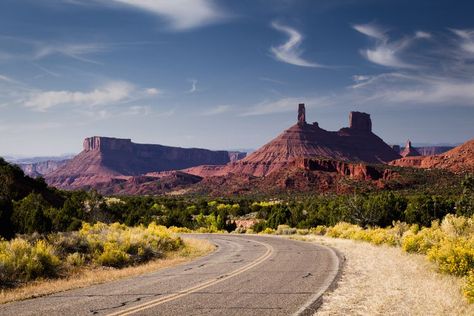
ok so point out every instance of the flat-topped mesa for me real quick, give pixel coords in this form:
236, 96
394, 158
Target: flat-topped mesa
301, 114
98, 143
360, 121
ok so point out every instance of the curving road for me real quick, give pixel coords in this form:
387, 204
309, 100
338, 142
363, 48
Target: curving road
246, 275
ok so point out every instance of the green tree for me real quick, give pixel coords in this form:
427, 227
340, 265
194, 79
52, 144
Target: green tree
30, 215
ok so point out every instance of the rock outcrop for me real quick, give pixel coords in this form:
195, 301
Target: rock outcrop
105, 158
409, 151
42, 168
459, 159
356, 143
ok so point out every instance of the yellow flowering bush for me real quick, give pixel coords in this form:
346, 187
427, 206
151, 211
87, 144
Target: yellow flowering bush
22, 261
114, 245
468, 289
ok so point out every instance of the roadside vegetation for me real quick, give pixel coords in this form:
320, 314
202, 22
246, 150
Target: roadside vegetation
32, 257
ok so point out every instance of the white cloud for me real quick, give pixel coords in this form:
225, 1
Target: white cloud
371, 30
193, 86
385, 52
467, 39
112, 92
290, 52
181, 14
152, 91
218, 110
422, 34
400, 88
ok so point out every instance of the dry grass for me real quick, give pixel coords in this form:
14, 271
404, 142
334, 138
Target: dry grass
88, 276
381, 280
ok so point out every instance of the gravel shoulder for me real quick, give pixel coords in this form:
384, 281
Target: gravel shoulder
381, 280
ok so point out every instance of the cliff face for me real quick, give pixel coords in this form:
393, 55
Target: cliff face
42, 168
356, 143
104, 158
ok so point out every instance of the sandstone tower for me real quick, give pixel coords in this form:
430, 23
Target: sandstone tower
301, 114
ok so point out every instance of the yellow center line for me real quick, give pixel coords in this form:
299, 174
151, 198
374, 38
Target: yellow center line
206, 284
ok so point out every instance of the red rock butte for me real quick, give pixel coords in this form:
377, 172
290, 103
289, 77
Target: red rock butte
356, 143
104, 158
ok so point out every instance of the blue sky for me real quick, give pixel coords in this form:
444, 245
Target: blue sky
229, 74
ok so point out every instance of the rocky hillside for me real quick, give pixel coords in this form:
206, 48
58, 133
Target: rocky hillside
459, 159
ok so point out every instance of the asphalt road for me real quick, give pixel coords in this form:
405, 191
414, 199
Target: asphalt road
246, 275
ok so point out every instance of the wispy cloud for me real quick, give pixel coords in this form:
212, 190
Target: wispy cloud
8, 79
17, 48
193, 86
442, 76
467, 39
386, 52
271, 80
220, 109
153, 91
137, 110
78, 51
112, 92
180, 14
286, 104
400, 88
290, 51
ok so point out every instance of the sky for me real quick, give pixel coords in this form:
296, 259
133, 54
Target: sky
223, 74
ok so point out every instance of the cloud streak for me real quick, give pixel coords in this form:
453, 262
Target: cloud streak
467, 40
220, 109
286, 104
17, 48
180, 14
112, 92
385, 52
290, 51
193, 86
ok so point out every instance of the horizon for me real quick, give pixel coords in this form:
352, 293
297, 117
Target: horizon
231, 75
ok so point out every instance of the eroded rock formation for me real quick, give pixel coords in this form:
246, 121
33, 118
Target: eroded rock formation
303, 140
104, 158
409, 151
458, 159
